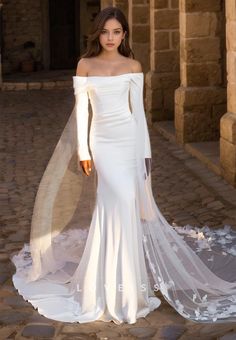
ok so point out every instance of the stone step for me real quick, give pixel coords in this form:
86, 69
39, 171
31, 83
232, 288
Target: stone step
36, 85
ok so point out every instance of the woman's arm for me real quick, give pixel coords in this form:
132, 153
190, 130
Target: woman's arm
137, 105
81, 107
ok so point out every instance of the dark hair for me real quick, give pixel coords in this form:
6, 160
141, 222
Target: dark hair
93, 45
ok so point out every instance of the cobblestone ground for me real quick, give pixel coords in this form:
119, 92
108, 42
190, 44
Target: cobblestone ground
186, 192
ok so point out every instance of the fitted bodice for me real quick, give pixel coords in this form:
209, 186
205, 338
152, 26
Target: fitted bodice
116, 101
109, 100
109, 96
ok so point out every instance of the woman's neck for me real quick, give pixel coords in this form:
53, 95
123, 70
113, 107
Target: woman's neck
109, 56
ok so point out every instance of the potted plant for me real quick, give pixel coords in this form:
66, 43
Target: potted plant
33, 60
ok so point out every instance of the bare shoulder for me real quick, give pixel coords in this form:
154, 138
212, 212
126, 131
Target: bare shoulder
136, 66
83, 67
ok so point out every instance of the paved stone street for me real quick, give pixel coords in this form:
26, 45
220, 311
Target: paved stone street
185, 190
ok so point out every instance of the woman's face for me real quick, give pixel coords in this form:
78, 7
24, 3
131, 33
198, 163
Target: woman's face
111, 35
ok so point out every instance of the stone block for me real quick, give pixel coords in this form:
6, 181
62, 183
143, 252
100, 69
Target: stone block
179, 128
20, 86
175, 40
140, 14
166, 19
162, 80
194, 25
231, 67
8, 86
8, 317
200, 50
197, 113
228, 127
230, 35
142, 332
228, 159
168, 96
190, 96
152, 80
172, 331
38, 330
216, 114
140, 33
47, 85
63, 83
161, 114
161, 4
208, 74
157, 99
162, 40
34, 86
106, 3
166, 61
197, 126
175, 4
230, 9
200, 5
231, 97
142, 53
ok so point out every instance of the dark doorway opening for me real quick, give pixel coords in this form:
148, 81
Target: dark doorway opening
64, 22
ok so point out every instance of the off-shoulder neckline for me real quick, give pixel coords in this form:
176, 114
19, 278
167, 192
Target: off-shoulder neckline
118, 75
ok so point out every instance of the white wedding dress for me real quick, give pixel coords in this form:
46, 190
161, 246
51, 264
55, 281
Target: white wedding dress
108, 267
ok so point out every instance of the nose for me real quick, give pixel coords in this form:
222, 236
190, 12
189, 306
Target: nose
110, 36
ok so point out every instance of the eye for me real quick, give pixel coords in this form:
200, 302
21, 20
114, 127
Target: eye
117, 32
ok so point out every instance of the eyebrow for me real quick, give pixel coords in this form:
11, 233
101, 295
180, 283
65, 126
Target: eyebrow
119, 28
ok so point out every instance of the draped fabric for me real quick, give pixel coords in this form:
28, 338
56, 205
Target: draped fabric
67, 201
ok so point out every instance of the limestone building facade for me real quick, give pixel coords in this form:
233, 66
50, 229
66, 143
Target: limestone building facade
187, 49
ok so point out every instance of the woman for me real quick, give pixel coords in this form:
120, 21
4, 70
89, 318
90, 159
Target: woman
130, 251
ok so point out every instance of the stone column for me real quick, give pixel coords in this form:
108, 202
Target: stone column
163, 77
140, 31
228, 121
200, 100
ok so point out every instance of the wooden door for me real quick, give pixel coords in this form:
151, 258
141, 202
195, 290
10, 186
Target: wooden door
64, 19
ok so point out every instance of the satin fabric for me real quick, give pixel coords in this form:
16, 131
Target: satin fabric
111, 280
104, 258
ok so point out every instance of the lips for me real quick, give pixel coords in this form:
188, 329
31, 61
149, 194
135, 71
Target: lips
110, 44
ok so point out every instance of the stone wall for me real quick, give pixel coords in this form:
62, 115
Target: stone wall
200, 101
139, 18
21, 23
163, 77
228, 121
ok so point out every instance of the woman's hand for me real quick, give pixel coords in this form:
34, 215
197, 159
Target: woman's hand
86, 166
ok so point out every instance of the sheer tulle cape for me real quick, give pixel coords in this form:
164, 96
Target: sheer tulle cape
197, 289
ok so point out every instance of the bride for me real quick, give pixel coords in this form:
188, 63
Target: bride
99, 246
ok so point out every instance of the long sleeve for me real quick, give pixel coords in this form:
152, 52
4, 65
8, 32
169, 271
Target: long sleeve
136, 100
81, 111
